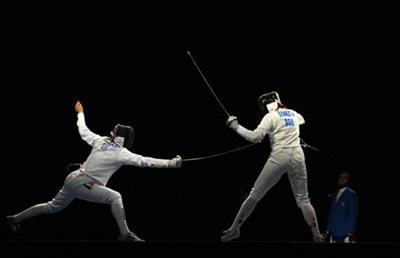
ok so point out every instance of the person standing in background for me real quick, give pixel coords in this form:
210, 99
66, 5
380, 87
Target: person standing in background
343, 215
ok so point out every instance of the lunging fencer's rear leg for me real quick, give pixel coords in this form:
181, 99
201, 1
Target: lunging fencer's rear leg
56, 205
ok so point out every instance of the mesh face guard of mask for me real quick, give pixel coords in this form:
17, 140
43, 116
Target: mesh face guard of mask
268, 102
123, 135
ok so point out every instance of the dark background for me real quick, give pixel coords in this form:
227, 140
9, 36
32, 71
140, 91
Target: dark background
334, 70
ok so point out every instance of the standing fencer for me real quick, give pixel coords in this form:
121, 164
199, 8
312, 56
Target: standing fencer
89, 182
282, 126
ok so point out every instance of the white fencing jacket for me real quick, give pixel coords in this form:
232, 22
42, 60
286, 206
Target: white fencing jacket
282, 127
107, 157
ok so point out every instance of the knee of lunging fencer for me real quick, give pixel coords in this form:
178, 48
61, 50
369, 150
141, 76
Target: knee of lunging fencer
116, 199
53, 207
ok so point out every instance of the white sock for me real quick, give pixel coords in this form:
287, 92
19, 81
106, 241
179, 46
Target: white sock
245, 211
33, 211
118, 211
310, 217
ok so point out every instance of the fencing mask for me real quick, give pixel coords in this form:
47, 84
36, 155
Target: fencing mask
123, 135
268, 102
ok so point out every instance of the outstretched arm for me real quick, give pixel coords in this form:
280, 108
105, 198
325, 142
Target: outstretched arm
255, 136
128, 158
86, 135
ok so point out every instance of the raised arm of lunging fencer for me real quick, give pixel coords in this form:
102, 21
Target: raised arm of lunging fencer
128, 158
255, 136
86, 135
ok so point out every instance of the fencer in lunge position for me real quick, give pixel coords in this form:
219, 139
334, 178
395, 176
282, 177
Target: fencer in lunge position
282, 126
89, 182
